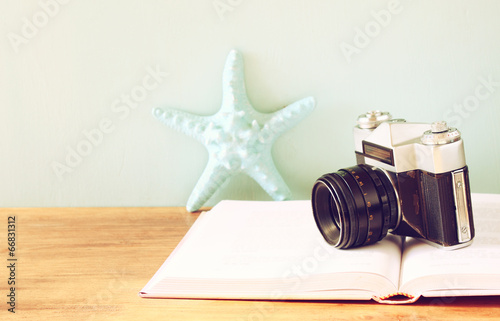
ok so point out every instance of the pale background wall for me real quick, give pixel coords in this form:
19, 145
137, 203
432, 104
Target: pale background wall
66, 66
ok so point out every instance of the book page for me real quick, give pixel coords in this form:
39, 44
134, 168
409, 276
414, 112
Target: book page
245, 246
471, 270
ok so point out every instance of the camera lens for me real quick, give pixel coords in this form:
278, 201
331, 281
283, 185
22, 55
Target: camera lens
354, 206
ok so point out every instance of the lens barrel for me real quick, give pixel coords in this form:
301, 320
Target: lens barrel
355, 206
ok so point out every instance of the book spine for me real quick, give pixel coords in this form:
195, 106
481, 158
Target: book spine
396, 298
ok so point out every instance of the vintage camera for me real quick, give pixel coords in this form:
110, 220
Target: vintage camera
411, 179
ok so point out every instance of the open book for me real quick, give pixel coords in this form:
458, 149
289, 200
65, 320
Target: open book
274, 251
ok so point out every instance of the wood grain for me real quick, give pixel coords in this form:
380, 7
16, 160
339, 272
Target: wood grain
90, 263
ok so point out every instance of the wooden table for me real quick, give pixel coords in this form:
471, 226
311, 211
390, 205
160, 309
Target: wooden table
90, 263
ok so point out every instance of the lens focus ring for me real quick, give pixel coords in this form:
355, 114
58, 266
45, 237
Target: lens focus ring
354, 206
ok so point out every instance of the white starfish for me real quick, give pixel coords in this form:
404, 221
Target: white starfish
238, 138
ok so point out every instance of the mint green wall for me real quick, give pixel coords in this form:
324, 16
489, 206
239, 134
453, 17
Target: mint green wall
85, 75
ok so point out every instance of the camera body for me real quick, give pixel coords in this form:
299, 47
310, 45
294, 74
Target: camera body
411, 179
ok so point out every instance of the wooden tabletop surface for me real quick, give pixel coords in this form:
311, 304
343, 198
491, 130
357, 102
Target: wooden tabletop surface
90, 263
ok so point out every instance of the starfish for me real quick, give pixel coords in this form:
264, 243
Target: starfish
238, 137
